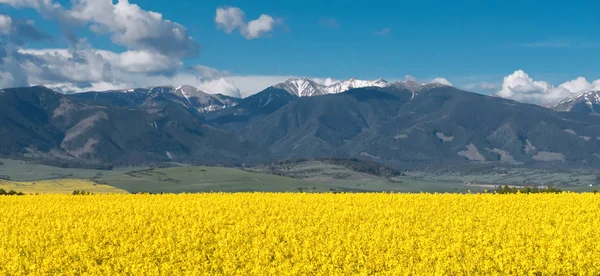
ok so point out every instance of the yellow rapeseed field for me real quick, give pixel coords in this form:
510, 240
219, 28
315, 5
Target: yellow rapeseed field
300, 234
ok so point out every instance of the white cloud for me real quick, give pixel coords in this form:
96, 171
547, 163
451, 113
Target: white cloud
220, 86
5, 24
133, 27
410, 78
88, 69
48, 8
441, 81
144, 62
326, 81
256, 28
207, 73
80, 66
231, 18
521, 87
129, 61
12, 74
127, 24
155, 46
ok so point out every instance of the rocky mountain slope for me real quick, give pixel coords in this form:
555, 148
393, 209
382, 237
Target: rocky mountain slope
97, 129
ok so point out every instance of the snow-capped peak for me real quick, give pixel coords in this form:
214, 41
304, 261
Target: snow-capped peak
188, 91
343, 86
305, 87
588, 100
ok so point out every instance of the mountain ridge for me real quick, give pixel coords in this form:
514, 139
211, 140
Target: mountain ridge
401, 124
587, 102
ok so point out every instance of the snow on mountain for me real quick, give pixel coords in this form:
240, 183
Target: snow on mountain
190, 97
189, 91
586, 102
303, 87
352, 83
306, 87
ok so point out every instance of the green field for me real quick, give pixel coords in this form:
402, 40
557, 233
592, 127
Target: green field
18, 170
568, 180
305, 176
342, 178
205, 179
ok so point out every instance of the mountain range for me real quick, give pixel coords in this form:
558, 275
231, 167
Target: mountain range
306, 87
402, 124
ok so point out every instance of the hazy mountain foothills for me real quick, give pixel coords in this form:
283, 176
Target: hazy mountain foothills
72, 130
397, 126
404, 125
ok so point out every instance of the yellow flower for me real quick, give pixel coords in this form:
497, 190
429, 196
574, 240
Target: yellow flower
300, 234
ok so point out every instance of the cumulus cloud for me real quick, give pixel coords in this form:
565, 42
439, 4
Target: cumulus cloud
143, 62
410, 78
133, 27
207, 73
11, 72
15, 33
229, 19
47, 8
521, 87
127, 24
80, 65
128, 61
155, 46
441, 81
325, 81
220, 86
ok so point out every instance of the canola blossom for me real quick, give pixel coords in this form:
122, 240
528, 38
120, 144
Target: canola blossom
300, 234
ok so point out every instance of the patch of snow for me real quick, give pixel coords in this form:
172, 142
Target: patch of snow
401, 136
169, 155
444, 138
65, 107
306, 87
504, 155
83, 126
570, 131
366, 154
471, 153
352, 83
529, 146
87, 148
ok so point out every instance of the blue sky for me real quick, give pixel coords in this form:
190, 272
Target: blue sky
467, 42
